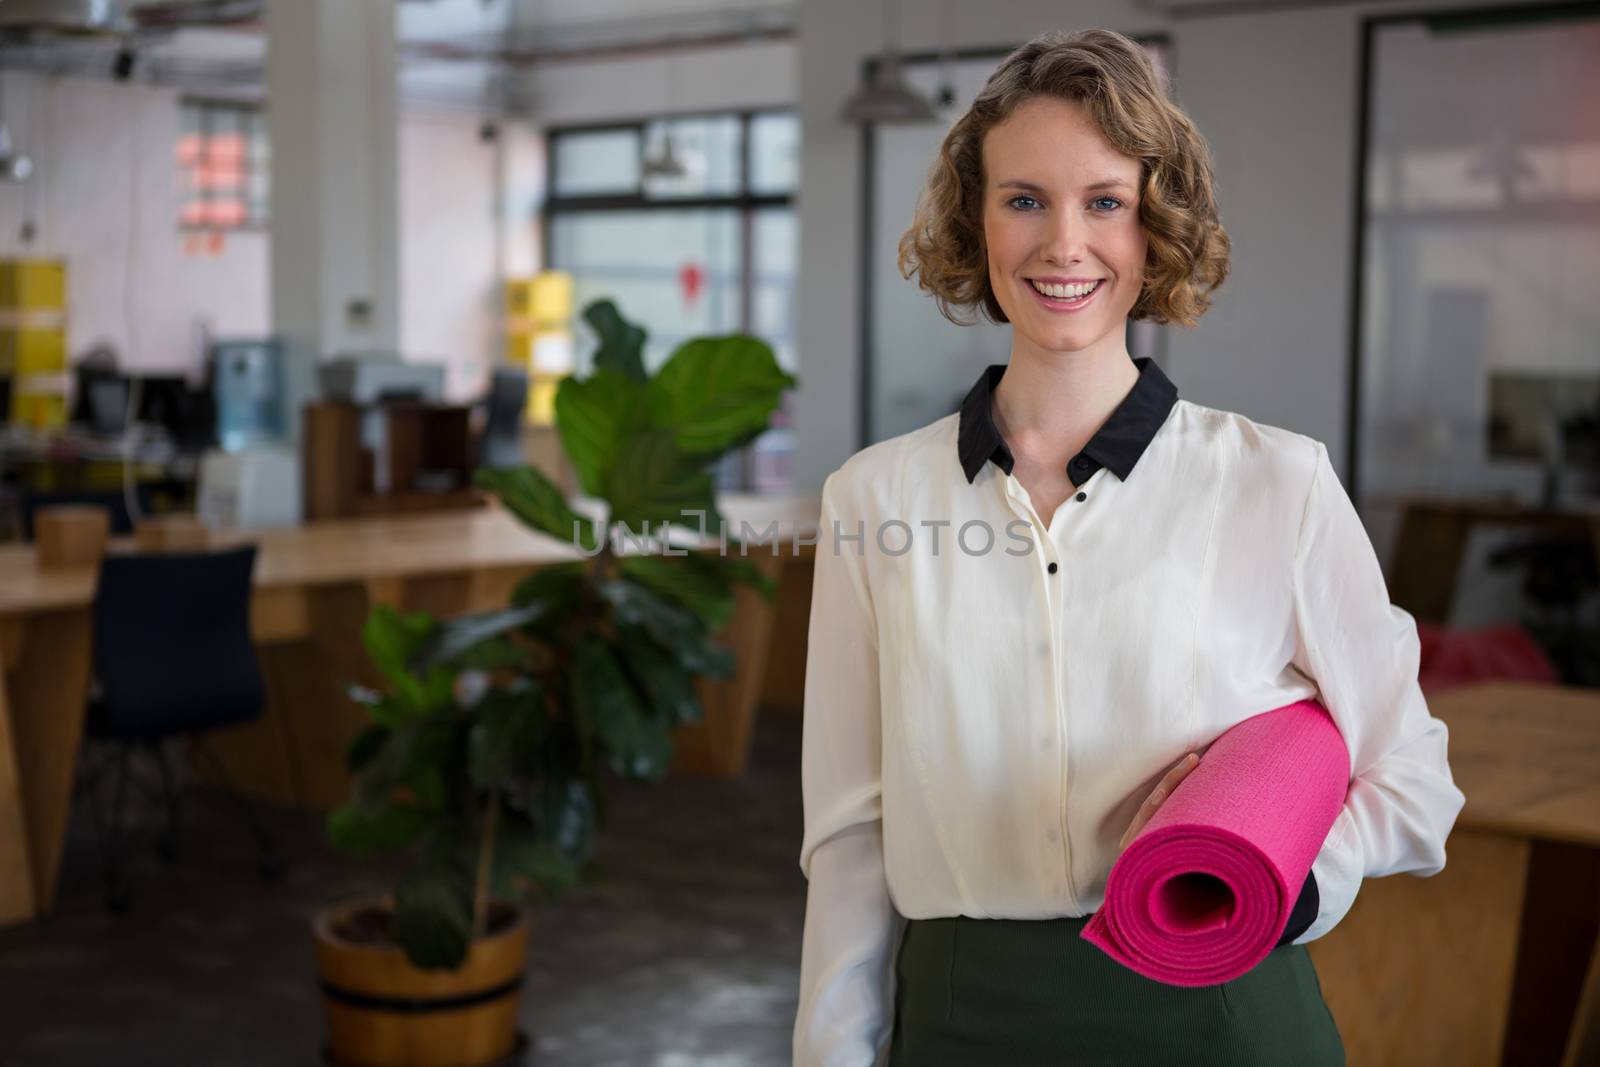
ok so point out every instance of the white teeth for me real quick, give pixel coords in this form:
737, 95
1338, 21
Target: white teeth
1069, 292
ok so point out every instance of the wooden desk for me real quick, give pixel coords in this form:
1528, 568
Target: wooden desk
314, 586
1487, 961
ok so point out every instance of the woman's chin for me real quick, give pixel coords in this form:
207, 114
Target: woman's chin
1079, 337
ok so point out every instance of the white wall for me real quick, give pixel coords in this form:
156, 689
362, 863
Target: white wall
105, 196
454, 238
1275, 96
763, 74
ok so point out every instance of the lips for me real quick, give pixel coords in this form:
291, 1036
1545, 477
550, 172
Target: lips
1060, 304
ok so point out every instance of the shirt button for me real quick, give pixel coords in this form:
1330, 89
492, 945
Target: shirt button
1050, 835
1052, 567
1083, 496
1044, 744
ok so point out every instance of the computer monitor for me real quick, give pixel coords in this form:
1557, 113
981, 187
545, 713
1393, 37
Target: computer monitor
105, 397
162, 400
100, 401
188, 415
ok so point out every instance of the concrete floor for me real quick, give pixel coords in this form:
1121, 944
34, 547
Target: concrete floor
686, 955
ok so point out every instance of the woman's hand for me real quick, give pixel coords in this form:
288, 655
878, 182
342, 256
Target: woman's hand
1178, 773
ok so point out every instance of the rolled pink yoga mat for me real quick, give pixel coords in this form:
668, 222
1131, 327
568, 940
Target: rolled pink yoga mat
1204, 892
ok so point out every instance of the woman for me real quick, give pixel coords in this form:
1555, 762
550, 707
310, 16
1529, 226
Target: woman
1028, 613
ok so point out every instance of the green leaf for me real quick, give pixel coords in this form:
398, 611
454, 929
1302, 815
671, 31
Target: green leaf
705, 591
658, 674
505, 739
715, 393
454, 638
497, 653
635, 745
670, 626
531, 864
595, 415
558, 586
566, 812
732, 569
418, 755
367, 744
553, 583
562, 589
653, 482
392, 640
359, 829
538, 502
433, 917
621, 342
392, 711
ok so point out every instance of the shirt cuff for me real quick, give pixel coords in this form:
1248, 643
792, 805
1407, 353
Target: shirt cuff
1304, 912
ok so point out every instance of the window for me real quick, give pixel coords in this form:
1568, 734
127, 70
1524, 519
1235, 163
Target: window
1480, 244
223, 166
688, 224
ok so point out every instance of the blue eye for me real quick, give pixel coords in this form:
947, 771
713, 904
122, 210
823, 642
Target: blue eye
1109, 199
1013, 201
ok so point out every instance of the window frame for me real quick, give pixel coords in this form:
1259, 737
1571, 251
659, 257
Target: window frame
253, 115
744, 202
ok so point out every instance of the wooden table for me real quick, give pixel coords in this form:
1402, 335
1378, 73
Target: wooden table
314, 586
1493, 960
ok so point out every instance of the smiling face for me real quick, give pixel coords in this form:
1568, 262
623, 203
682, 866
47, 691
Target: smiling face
1061, 211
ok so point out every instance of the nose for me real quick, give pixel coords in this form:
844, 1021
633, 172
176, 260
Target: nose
1065, 237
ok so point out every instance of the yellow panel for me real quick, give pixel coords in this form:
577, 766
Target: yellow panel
552, 298
24, 351
33, 283
542, 399
519, 298
519, 348
44, 411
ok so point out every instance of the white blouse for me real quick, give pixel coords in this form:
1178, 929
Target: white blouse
992, 693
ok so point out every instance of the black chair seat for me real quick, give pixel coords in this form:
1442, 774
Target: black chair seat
102, 724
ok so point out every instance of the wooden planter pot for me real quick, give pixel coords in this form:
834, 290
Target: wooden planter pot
382, 1011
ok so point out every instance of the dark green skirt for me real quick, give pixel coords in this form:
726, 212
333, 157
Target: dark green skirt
980, 992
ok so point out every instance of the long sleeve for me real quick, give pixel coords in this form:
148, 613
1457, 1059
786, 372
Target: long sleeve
846, 972
1362, 652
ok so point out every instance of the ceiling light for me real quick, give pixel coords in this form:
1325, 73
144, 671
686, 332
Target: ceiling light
12, 166
666, 164
885, 96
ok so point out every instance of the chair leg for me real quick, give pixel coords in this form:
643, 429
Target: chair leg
89, 771
171, 797
273, 863
119, 896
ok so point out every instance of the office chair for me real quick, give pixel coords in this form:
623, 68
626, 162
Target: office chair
172, 659
502, 431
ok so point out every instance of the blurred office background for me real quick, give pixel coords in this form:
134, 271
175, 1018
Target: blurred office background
238, 236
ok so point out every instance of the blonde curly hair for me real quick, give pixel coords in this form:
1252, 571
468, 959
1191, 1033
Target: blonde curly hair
1112, 78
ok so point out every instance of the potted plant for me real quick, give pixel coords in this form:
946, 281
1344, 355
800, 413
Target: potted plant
484, 757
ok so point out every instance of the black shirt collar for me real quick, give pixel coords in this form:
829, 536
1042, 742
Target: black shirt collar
1118, 443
